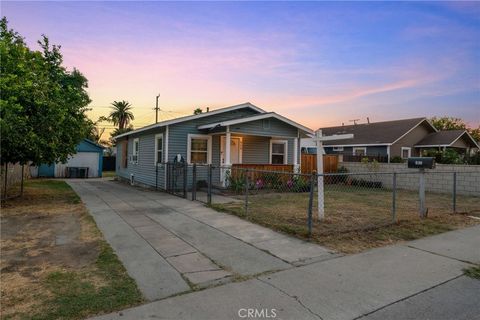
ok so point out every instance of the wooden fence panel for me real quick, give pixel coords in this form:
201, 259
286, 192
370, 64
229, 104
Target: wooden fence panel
309, 163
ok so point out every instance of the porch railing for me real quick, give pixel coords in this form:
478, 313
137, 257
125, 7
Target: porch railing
265, 167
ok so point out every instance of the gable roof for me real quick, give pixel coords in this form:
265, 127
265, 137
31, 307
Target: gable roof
445, 139
375, 133
92, 143
261, 116
192, 117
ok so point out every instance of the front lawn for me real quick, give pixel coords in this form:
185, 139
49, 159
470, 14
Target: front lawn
55, 263
356, 218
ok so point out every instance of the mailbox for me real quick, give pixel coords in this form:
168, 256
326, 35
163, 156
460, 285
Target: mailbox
421, 162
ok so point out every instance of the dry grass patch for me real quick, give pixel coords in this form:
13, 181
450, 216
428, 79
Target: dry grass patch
357, 218
54, 262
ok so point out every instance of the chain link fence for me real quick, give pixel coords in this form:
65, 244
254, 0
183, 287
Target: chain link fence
346, 202
351, 201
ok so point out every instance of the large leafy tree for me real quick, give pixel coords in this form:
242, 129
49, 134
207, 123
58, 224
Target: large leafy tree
121, 114
42, 105
452, 123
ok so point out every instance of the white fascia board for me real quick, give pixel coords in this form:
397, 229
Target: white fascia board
357, 145
192, 117
431, 145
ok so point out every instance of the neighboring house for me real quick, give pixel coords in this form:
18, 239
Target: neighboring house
88, 158
399, 138
240, 134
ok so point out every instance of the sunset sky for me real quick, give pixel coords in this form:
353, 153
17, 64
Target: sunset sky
318, 63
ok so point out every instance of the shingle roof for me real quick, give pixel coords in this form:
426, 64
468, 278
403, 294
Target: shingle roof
385, 132
442, 138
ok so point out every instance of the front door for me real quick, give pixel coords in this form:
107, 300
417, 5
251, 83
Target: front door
235, 150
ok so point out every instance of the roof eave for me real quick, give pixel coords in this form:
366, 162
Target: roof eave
191, 117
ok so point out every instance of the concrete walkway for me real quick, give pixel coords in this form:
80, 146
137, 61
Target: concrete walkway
416, 280
171, 245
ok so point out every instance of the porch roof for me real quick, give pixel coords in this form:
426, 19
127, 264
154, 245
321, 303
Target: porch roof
446, 138
266, 115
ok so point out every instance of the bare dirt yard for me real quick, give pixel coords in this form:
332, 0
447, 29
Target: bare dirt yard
357, 218
54, 261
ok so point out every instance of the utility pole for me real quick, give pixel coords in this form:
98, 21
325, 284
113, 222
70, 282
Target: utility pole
156, 108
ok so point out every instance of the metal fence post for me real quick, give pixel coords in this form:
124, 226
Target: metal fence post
394, 198
194, 182
454, 192
310, 202
209, 187
421, 193
246, 193
185, 180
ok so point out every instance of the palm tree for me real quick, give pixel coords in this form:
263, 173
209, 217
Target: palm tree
121, 114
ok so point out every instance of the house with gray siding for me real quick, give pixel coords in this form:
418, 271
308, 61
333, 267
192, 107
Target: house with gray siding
242, 134
398, 138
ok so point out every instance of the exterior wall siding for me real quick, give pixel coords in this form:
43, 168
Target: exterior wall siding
411, 139
276, 128
144, 171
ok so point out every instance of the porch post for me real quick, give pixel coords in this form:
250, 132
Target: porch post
228, 140
296, 167
227, 164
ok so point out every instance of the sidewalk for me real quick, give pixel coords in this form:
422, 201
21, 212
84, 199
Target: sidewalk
414, 280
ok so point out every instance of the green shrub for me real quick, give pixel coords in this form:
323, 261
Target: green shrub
396, 159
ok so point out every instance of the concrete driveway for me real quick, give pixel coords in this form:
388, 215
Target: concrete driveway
171, 245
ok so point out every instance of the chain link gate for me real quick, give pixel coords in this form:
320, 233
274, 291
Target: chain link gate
177, 178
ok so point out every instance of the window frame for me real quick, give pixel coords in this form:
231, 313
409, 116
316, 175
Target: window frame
157, 137
285, 155
359, 148
189, 147
409, 149
136, 151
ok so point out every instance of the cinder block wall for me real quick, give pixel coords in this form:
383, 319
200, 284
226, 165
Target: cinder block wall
439, 179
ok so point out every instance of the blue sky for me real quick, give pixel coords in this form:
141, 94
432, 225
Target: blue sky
320, 63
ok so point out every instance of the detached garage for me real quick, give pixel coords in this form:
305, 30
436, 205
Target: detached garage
86, 163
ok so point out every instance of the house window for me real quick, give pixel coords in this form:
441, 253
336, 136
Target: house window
406, 152
199, 148
337, 149
266, 124
158, 148
136, 149
360, 151
278, 151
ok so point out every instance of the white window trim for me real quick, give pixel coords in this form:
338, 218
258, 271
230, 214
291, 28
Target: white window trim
135, 152
409, 152
359, 148
337, 148
158, 136
209, 146
285, 142
223, 140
